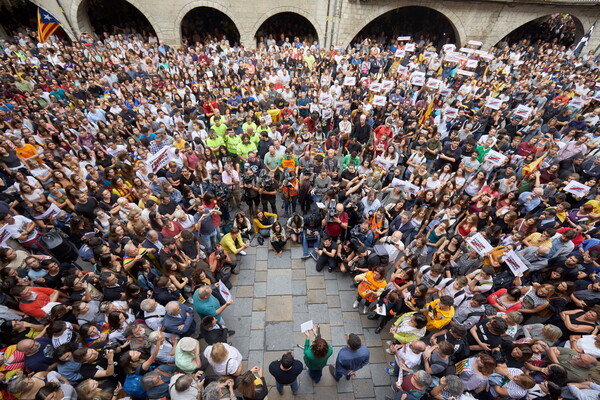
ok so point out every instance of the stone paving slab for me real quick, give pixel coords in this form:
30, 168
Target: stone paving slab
277, 337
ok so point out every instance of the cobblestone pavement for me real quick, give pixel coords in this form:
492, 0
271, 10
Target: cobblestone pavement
274, 295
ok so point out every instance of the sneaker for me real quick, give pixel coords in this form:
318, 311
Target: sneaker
332, 372
330, 269
304, 257
243, 253
230, 332
390, 371
314, 256
378, 330
373, 317
355, 304
365, 309
392, 364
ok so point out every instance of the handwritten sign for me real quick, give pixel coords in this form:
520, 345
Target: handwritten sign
495, 158
400, 53
514, 262
403, 38
493, 103
577, 188
474, 43
379, 100
480, 244
159, 160
451, 112
471, 63
349, 81
417, 78
224, 291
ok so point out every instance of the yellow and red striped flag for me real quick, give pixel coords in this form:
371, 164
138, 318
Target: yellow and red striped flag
47, 25
534, 165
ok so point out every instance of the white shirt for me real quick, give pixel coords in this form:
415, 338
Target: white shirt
410, 358
234, 358
155, 323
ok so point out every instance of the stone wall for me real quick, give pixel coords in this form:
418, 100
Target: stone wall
338, 21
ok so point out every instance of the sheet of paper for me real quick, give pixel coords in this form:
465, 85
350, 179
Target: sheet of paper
307, 326
514, 262
381, 310
480, 244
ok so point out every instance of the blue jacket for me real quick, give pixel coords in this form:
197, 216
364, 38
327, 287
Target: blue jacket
348, 360
185, 318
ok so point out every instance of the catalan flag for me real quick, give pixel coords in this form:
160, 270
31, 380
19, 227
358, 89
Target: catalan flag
47, 24
533, 166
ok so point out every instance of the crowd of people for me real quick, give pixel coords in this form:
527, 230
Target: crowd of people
135, 176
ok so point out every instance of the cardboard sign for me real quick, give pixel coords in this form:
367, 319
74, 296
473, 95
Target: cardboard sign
472, 63
349, 81
448, 47
523, 111
400, 53
493, 103
403, 38
375, 87
434, 83
429, 54
514, 262
402, 70
409, 47
379, 101
495, 158
417, 78
267, 118
387, 85
326, 113
51, 212
480, 244
474, 43
224, 291
466, 50
4, 236
451, 112
576, 188
159, 160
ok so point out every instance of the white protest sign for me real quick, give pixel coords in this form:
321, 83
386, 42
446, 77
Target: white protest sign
325, 98
445, 92
375, 87
339, 105
306, 326
480, 244
409, 47
349, 81
4, 236
429, 54
493, 103
523, 111
156, 161
399, 184
448, 47
412, 189
403, 38
400, 53
450, 58
577, 102
466, 50
51, 212
381, 310
576, 188
474, 43
434, 83
402, 70
451, 112
417, 78
379, 100
326, 113
471, 63
495, 158
267, 118
596, 96
514, 262
224, 291
387, 85
465, 73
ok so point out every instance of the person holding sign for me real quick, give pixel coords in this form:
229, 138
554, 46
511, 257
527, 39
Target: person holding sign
316, 354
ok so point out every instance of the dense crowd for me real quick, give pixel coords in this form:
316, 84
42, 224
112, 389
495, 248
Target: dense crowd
135, 177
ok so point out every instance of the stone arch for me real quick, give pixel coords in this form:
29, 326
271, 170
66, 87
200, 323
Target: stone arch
287, 9
520, 19
57, 13
81, 18
202, 3
460, 32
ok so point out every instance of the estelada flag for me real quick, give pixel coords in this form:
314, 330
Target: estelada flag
47, 24
534, 165
427, 112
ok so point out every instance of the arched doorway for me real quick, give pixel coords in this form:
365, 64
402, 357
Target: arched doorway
415, 21
288, 25
563, 29
20, 15
203, 23
114, 16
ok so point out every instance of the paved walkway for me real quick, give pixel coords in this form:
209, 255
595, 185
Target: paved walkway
274, 295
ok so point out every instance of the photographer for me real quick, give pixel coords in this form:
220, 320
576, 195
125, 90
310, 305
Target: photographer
336, 220
268, 190
361, 235
221, 193
251, 186
312, 232
290, 192
221, 265
326, 253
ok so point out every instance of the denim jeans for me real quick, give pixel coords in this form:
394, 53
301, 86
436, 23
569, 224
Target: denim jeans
315, 374
305, 244
290, 203
293, 385
210, 241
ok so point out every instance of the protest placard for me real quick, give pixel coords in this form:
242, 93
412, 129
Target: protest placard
409, 47
434, 83
403, 38
577, 188
379, 101
157, 161
495, 158
514, 262
224, 291
387, 85
480, 244
349, 81
493, 103
451, 112
523, 111
471, 63
375, 87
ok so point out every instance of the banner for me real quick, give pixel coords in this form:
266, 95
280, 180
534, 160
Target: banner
480, 244
514, 262
158, 160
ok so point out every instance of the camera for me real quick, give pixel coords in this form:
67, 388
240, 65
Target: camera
287, 179
332, 212
246, 179
221, 254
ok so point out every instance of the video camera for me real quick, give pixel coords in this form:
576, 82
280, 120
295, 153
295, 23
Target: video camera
287, 179
332, 212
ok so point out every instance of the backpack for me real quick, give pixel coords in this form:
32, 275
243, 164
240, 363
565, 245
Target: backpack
133, 385
378, 256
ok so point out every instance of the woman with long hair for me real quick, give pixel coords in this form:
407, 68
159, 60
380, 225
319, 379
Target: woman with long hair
252, 385
278, 238
316, 354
